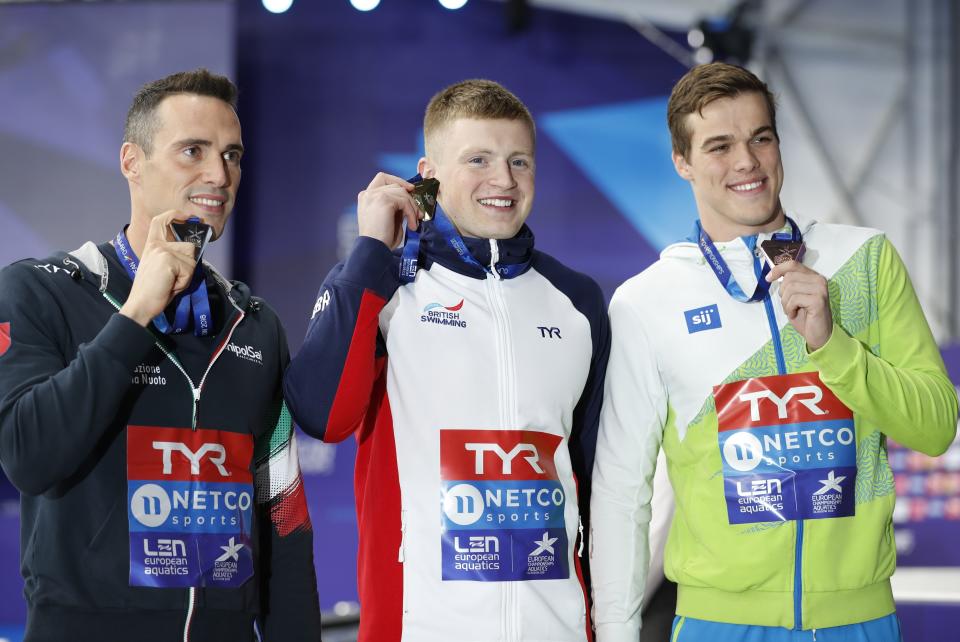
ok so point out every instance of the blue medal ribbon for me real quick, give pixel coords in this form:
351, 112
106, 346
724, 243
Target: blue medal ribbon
194, 299
722, 271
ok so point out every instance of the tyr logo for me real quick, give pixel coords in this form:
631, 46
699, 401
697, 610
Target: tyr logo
815, 394
218, 454
549, 333
506, 458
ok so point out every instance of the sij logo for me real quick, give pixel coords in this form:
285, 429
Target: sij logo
700, 319
4, 337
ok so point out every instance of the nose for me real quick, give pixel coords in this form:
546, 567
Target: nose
216, 172
502, 175
746, 159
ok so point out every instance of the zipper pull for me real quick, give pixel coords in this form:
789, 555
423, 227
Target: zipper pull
494, 258
580, 530
196, 406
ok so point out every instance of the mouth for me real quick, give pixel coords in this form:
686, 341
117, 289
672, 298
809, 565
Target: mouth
749, 188
497, 203
209, 203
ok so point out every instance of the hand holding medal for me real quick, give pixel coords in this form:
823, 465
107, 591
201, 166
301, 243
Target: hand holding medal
803, 292
382, 208
166, 267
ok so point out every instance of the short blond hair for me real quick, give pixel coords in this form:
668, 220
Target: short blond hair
476, 98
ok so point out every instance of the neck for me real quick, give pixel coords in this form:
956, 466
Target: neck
721, 233
137, 236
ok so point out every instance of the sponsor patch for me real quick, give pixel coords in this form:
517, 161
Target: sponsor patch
440, 314
247, 353
788, 447
700, 319
190, 507
502, 506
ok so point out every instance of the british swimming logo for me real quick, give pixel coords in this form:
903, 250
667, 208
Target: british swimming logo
440, 314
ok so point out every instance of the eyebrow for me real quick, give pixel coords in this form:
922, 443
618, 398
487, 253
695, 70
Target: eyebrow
206, 143
726, 138
481, 151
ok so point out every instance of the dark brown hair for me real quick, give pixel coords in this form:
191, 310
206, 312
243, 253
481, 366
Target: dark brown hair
142, 122
704, 84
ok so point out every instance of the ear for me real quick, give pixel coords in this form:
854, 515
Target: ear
131, 159
682, 166
426, 168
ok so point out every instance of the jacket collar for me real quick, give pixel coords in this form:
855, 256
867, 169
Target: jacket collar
513, 251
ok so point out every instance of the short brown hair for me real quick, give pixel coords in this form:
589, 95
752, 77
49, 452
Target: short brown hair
476, 98
704, 84
142, 123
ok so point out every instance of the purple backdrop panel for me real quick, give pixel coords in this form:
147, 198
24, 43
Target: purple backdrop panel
927, 514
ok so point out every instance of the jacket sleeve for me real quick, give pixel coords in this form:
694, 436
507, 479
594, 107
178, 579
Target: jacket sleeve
329, 383
57, 403
631, 428
905, 391
290, 606
586, 416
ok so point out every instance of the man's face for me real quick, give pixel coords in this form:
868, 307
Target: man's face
734, 167
194, 165
485, 169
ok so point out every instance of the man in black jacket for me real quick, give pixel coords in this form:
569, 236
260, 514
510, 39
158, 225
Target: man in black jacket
141, 413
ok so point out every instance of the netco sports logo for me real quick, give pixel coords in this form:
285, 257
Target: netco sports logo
190, 499
788, 447
502, 506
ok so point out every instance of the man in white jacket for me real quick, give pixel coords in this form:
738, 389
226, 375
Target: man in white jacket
772, 386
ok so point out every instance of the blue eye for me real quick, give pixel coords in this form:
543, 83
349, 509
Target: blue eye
520, 162
233, 156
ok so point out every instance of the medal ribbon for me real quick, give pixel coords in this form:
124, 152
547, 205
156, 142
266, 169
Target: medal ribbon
409, 260
722, 271
194, 299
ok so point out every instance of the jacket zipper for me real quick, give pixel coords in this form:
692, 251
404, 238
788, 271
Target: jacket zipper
195, 393
782, 369
507, 407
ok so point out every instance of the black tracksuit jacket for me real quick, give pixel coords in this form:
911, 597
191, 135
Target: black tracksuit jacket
71, 382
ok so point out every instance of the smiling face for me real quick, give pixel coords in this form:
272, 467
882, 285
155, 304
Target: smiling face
193, 166
486, 173
734, 167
